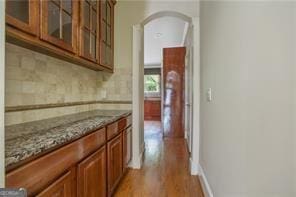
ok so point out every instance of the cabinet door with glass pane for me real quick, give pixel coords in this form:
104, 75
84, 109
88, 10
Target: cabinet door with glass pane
23, 15
59, 23
106, 33
89, 28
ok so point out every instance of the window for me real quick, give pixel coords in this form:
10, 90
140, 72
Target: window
152, 85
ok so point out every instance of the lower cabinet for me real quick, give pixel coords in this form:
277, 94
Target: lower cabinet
91, 172
65, 186
114, 162
88, 167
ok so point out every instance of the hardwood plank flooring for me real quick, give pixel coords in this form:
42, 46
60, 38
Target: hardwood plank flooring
165, 171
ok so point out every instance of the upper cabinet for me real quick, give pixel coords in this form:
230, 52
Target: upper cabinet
59, 23
78, 31
107, 32
89, 28
23, 15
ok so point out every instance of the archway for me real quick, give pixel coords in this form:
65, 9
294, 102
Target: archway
138, 86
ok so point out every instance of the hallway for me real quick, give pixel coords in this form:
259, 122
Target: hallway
165, 171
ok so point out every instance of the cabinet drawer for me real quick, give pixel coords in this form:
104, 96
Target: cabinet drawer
129, 120
121, 124
112, 130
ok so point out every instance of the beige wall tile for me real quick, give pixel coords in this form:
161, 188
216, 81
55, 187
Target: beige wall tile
33, 78
28, 62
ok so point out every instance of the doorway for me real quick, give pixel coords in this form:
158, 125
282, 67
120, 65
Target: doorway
192, 58
164, 75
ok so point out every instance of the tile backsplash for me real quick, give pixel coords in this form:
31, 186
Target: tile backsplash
33, 79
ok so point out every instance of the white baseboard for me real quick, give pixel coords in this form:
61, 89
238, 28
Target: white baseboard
137, 162
194, 167
205, 184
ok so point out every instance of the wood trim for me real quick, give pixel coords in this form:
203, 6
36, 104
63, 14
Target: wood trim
58, 42
102, 44
32, 176
56, 105
122, 124
111, 159
112, 130
32, 27
82, 29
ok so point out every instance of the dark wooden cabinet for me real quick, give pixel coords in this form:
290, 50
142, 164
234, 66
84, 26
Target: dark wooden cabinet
91, 173
91, 166
89, 30
65, 186
114, 162
152, 109
127, 147
78, 31
59, 23
107, 33
23, 15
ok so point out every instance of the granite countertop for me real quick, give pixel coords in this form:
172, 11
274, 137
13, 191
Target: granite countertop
33, 138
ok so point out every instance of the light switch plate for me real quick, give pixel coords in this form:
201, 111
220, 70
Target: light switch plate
209, 95
104, 94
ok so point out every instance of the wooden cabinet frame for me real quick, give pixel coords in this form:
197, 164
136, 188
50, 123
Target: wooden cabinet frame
33, 26
102, 42
82, 28
44, 27
90, 170
114, 161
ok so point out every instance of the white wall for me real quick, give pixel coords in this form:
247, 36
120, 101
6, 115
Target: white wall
2, 79
248, 130
171, 30
129, 13
294, 99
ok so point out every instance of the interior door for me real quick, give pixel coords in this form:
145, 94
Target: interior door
174, 85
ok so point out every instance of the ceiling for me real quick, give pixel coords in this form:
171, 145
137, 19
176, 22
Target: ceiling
162, 33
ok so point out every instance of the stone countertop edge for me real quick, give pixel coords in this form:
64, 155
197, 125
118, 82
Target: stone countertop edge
32, 139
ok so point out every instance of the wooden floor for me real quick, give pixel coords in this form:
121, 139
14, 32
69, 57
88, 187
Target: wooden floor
165, 171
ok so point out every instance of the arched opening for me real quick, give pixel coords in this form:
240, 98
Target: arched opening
138, 86
166, 14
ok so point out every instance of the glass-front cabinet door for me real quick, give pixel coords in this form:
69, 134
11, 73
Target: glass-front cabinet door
59, 23
23, 15
89, 28
106, 37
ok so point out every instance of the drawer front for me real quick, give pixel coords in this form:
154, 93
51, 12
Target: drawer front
122, 124
112, 130
129, 120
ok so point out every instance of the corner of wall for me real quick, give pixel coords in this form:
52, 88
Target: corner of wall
194, 167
